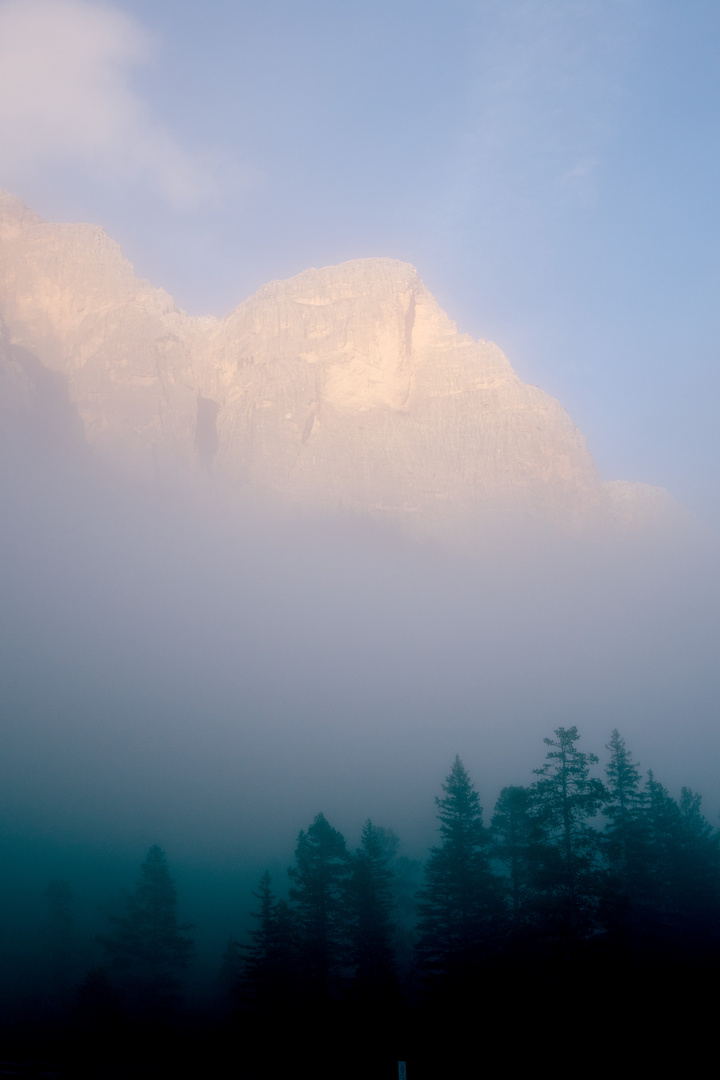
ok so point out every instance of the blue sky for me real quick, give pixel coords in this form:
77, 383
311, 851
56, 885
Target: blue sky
550, 167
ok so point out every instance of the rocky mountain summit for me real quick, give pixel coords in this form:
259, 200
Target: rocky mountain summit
346, 387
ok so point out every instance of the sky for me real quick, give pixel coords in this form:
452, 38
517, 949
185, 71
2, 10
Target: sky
549, 166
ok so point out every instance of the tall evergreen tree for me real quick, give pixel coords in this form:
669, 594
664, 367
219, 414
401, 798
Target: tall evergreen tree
627, 887
148, 949
371, 908
566, 800
269, 965
319, 876
518, 843
460, 894
263, 936
698, 868
624, 808
684, 871
663, 823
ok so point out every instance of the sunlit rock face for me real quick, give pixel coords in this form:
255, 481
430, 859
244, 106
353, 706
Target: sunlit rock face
342, 388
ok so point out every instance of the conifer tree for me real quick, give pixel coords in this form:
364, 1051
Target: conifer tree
698, 868
566, 800
518, 843
148, 949
624, 807
460, 895
627, 888
371, 907
269, 965
663, 823
683, 868
319, 876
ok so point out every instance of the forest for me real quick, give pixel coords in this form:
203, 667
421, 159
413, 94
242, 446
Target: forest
585, 892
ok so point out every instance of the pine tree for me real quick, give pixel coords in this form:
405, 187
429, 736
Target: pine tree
518, 843
684, 870
320, 874
148, 949
663, 821
626, 832
624, 808
627, 885
698, 869
460, 895
269, 964
371, 903
566, 800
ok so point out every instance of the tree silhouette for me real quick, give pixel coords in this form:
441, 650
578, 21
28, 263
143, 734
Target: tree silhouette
320, 874
270, 960
460, 894
698, 868
518, 843
371, 903
624, 807
148, 949
566, 800
627, 891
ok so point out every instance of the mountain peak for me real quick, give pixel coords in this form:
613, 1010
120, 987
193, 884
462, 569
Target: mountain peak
342, 387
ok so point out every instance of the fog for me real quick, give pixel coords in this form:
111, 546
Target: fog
175, 672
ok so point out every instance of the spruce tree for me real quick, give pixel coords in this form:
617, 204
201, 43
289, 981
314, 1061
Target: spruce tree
518, 843
663, 822
698, 868
371, 908
269, 965
684, 871
627, 890
566, 800
624, 807
460, 895
148, 949
626, 831
319, 876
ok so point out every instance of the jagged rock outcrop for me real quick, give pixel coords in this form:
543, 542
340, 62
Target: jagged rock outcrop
342, 387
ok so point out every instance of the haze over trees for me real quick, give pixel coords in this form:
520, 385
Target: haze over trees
581, 881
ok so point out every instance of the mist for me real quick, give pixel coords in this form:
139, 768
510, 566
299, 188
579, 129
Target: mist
177, 672
207, 677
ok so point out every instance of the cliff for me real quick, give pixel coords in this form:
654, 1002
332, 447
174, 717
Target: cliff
345, 387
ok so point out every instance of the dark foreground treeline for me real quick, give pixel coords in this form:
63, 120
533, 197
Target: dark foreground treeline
583, 901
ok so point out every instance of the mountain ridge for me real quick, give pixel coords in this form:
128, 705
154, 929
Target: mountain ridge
341, 387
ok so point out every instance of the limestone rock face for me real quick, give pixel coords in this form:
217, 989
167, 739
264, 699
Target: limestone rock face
345, 387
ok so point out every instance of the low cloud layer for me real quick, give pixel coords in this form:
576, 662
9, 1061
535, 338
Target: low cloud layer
174, 676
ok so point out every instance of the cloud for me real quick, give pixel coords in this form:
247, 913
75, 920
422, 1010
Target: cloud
66, 99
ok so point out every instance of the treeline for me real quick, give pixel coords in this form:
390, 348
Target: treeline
572, 870
579, 889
